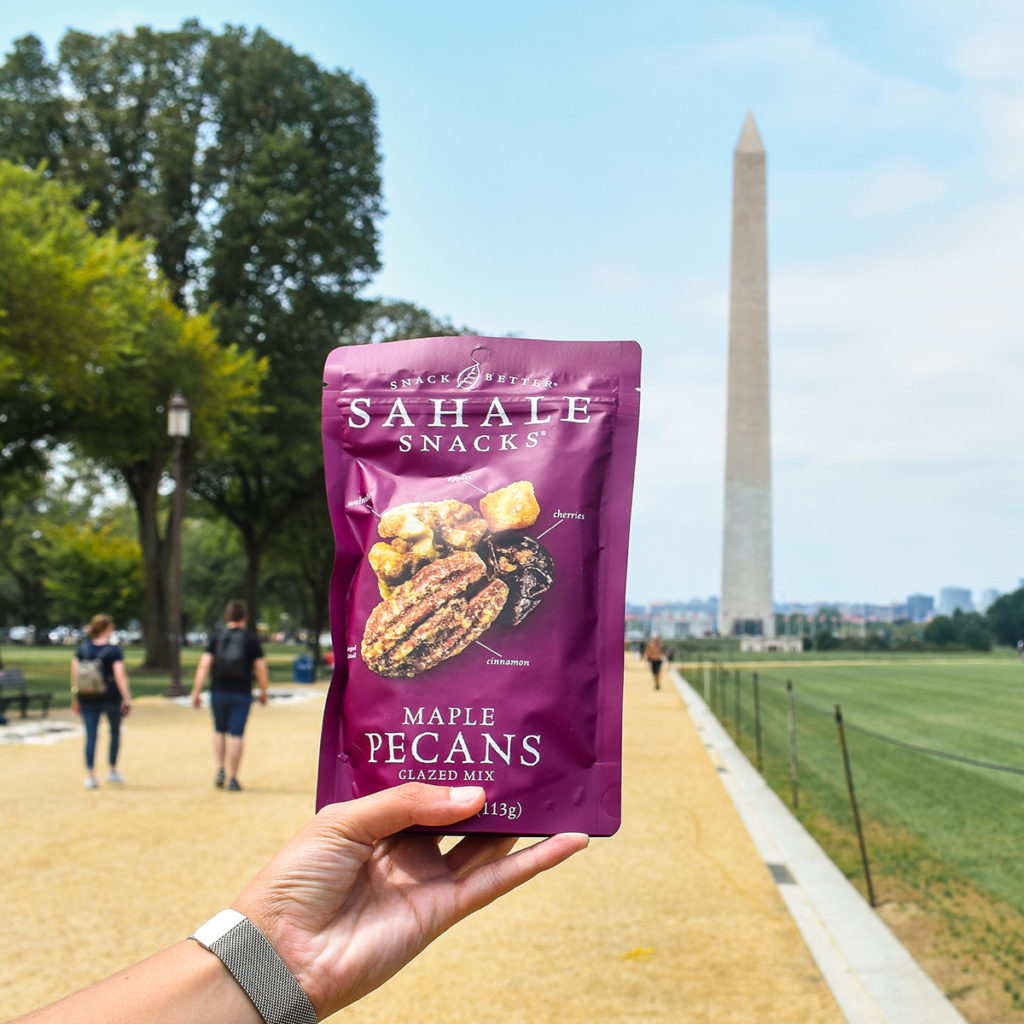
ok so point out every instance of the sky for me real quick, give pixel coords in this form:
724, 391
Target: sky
563, 169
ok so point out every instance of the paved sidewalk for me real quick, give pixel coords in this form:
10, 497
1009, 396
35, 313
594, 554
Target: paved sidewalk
873, 977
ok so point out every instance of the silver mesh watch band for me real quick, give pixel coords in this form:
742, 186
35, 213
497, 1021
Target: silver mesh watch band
255, 965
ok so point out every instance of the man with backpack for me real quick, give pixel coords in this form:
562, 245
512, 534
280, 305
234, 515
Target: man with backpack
231, 658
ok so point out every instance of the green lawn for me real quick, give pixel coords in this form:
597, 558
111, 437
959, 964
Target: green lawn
48, 668
941, 834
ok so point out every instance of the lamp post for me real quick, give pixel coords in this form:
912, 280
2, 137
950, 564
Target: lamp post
178, 428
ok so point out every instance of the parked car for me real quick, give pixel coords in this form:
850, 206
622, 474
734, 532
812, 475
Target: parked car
65, 635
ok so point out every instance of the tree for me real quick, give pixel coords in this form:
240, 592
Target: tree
962, 629
91, 349
66, 549
59, 322
21, 561
176, 353
304, 567
254, 170
382, 320
90, 568
213, 568
256, 174
1005, 617
940, 631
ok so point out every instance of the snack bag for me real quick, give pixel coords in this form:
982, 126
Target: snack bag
480, 491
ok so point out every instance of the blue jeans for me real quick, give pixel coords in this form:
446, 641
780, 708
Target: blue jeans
91, 713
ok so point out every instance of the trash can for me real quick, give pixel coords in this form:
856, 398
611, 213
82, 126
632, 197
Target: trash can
303, 668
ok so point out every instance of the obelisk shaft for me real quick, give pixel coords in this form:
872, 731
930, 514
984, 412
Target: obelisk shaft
747, 542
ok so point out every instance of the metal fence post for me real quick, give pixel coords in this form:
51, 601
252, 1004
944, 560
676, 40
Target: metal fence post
757, 722
853, 804
739, 720
723, 696
791, 717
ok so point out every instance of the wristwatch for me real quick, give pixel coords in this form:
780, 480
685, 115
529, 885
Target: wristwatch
255, 965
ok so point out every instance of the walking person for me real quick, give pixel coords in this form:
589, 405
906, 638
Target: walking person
655, 655
112, 698
231, 658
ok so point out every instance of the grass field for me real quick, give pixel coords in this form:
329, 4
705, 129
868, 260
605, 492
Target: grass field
48, 668
945, 839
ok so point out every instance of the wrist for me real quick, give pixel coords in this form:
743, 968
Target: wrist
215, 987
256, 968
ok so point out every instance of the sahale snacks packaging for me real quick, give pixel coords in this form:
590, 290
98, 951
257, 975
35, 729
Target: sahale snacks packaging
480, 490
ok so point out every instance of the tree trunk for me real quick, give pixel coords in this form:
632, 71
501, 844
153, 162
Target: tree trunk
143, 485
253, 566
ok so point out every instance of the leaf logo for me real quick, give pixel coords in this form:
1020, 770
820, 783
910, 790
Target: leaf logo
469, 377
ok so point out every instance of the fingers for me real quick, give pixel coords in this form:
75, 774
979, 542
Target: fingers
383, 814
494, 879
474, 851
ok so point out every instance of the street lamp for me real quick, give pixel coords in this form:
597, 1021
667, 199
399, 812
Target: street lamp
178, 428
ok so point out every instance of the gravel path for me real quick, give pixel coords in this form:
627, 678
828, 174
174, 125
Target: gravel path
675, 919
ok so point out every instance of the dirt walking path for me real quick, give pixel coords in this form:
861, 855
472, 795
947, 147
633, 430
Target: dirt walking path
675, 919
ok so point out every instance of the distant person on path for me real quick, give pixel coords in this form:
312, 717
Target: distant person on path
655, 655
231, 658
1020, 650
115, 702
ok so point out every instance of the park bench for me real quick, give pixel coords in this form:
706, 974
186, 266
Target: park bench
14, 691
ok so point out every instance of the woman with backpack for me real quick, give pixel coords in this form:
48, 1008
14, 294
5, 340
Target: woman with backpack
99, 684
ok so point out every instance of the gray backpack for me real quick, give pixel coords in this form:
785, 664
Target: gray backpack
89, 679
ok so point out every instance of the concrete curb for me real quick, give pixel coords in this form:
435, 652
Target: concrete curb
872, 976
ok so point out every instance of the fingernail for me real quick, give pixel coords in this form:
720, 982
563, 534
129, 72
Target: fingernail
464, 794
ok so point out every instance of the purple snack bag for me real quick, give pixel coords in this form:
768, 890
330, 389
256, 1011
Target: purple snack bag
480, 493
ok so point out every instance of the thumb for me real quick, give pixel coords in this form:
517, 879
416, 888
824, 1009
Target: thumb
373, 817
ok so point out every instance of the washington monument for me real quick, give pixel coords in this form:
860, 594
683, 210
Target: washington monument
746, 602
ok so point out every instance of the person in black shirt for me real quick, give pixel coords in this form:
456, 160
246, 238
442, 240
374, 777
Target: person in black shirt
231, 658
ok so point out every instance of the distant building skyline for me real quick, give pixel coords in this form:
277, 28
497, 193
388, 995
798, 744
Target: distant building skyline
953, 599
699, 616
920, 607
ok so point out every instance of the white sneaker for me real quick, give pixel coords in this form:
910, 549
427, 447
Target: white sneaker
115, 776
90, 782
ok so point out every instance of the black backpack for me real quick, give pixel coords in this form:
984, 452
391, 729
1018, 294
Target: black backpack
229, 658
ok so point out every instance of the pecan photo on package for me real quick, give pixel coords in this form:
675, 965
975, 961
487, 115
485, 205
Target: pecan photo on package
447, 573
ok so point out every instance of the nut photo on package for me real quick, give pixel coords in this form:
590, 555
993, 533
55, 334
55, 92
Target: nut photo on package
479, 491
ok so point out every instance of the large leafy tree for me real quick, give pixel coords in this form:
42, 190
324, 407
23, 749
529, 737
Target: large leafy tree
256, 174
91, 349
1005, 617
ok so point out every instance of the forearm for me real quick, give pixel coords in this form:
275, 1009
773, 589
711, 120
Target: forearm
202, 670
184, 983
121, 678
